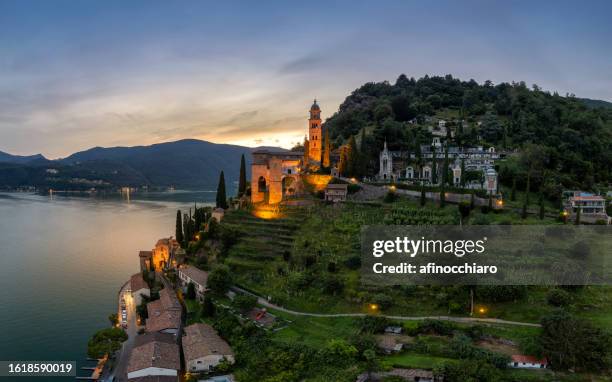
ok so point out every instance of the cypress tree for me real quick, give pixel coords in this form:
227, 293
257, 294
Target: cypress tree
445, 165
526, 201
342, 165
423, 198
578, 213
434, 171
221, 197
306, 159
187, 233
541, 203
462, 173
353, 157
326, 150
442, 196
363, 157
513, 192
242, 179
472, 201
179, 227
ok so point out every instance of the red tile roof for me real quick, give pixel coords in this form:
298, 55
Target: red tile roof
137, 282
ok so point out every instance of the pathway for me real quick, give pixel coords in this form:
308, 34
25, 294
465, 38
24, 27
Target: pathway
262, 301
120, 370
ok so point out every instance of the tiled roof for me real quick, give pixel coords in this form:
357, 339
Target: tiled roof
145, 338
155, 354
137, 282
197, 275
145, 254
169, 300
201, 340
337, 186
164, 313
587, 197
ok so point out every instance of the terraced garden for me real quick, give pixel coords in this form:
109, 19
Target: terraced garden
262, 241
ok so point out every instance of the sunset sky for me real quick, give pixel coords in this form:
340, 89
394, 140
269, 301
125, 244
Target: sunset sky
78, 74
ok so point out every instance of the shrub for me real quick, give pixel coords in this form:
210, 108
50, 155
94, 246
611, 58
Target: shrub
372, 324
353, 262
220, 279
443, 328
390, 197
481, 220
244, 303
558, 297
384, 301
464, 209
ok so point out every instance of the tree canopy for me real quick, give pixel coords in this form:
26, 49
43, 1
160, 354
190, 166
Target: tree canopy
575, 138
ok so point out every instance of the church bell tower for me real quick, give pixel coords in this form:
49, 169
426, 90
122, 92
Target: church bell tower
314, 133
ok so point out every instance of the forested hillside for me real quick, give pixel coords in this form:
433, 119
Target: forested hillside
569, 141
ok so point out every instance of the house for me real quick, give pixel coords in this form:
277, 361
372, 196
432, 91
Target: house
164, 315
161, 257
218, 214
155, 357
139, 287
393, 329
592, 207
336, 192
190, 274
388, 343
527, 362
204, 349
145, 260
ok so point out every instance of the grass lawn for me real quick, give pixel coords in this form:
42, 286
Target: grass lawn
314, 331
414, 360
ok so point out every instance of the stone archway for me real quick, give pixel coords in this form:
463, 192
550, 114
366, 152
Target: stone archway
261, 184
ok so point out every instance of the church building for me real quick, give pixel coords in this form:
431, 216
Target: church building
276, 174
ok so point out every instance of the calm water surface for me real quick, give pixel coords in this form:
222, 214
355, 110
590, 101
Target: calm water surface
62, 262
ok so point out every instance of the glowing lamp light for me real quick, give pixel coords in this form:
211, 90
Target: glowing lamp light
374, 307
267, 212
565, 213
482, 310
500, 202
353, 180
392, 188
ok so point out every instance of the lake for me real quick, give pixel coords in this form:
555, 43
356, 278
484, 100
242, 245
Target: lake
63, 260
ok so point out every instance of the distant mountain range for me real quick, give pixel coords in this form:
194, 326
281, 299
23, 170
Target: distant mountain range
187, 163
8, 158
595, 103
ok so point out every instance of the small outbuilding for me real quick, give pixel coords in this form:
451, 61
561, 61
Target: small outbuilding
336, 192
527, 362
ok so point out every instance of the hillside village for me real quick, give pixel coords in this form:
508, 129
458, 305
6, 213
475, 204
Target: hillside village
265, 285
